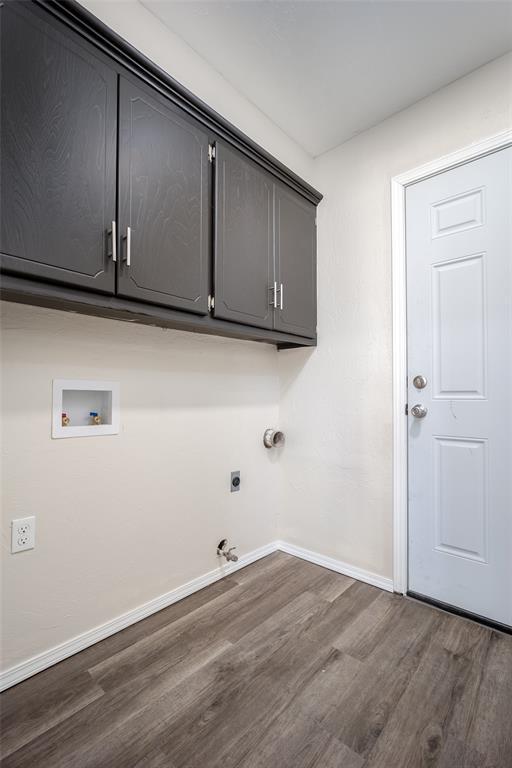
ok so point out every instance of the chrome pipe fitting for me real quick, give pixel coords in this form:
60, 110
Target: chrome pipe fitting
272, 438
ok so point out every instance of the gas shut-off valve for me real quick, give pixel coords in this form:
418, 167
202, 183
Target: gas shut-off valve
225, 551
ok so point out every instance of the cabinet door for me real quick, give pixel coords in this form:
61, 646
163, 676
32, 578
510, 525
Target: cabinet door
244, 265
164, 201
295, 249
58, 152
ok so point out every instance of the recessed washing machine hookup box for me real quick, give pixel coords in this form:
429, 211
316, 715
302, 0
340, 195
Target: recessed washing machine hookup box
85, 408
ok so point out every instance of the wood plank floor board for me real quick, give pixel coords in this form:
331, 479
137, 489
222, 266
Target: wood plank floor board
339, 615
298, 578
282, 664
319, 698
296, 739
326, 584
208, 619
266, 567
455, 747
146, 659
221, 717
96, 735
362, 636
275, 661
25, 717
132, 634
283, 673
60, 673
419, 726
229, 615
332, 590
491, 731
136, 715
229, 730
86, 732
365, 707
154, 759
333, 587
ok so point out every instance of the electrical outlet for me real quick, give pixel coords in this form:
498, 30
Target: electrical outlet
235, 481
23, 534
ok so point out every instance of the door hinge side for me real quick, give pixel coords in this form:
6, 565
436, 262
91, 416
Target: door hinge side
211, 152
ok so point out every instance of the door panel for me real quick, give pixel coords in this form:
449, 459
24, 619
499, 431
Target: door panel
459, 333
164, 199
459, 306
295, 248
460, 509
58, 152
244, 261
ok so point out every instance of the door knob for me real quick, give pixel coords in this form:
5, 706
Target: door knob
419, 411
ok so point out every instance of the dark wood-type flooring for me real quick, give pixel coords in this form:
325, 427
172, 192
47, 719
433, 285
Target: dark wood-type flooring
281, 665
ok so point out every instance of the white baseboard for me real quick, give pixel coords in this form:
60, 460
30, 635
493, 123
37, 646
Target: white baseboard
337, 565
60, 652
46, 659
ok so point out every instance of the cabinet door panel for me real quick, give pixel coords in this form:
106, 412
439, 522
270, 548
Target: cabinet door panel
244, 267
164, 199
295, 248
58, 152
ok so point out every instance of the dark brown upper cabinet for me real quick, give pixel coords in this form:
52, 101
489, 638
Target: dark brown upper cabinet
243, 251
116, 179
295, 258
164, 206
265, 249
58, 152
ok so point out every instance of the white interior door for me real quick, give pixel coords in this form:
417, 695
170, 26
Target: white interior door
459, 317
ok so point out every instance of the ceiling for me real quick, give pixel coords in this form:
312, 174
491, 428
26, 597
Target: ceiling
324, 71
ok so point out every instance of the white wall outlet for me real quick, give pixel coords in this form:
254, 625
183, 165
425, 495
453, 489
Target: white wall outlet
23, 534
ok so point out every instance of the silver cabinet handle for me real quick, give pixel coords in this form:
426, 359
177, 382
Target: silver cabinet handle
128, 246
113, 235
419, 411
281, 297
275, 295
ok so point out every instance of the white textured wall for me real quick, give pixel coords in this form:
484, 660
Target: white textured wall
122, 519
336, 401
148, 34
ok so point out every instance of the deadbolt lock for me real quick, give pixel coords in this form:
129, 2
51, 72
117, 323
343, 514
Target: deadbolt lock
420, 382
